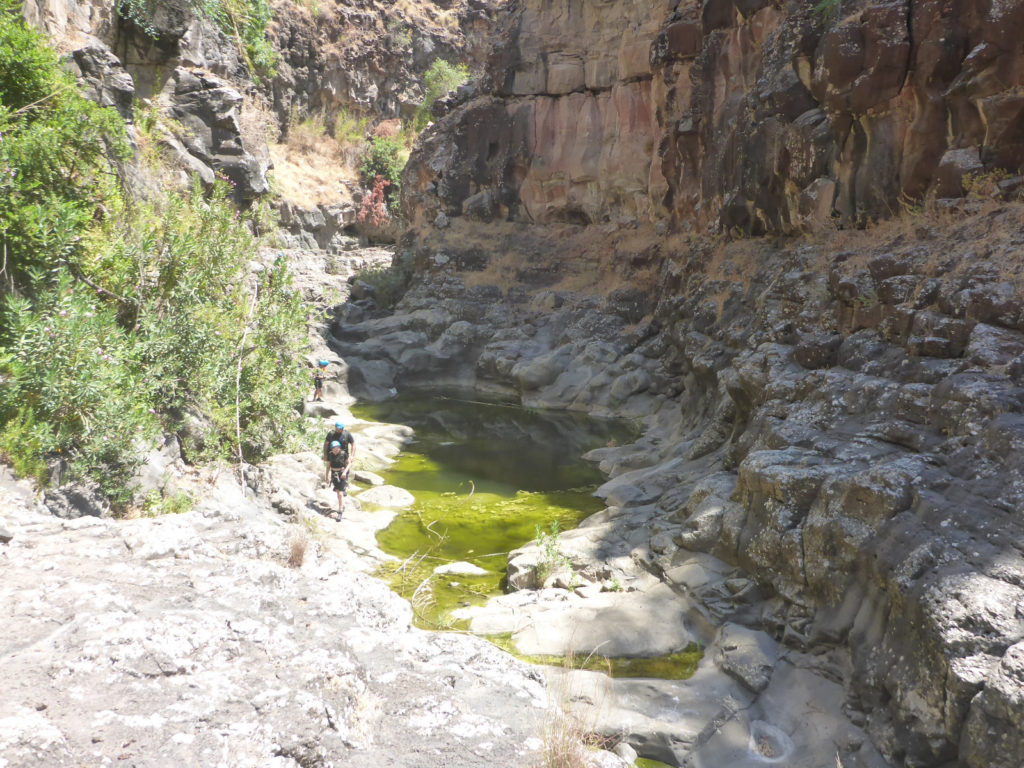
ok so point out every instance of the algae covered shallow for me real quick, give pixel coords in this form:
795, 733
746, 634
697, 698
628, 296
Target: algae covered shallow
486, 477
643, 762
673, 666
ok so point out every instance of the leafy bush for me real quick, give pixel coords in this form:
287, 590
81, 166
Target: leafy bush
374, 206
69, 366
438, 80
385, 157
118, 318
156, 329
245, 22
23, 443
190, 309
52, 161
552, 558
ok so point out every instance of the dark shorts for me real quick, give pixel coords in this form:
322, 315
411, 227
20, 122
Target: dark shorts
338, 482
318, 382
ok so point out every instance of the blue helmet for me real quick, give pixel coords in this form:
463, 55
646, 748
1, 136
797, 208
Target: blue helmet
335, 444
339, 425
322, 363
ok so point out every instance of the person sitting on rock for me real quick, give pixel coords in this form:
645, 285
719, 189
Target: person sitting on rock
318, 380
337, 472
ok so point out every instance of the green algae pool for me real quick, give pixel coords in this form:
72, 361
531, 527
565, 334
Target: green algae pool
485, 477
673, 666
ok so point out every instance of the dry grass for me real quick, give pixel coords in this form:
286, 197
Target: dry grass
388, 128
298, 544
258, 125
570, 738
565, 743
312, 167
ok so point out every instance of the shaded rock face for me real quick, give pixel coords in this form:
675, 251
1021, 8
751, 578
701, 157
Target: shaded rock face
743, 115
187, 68
841, 419
356, 56
208, 108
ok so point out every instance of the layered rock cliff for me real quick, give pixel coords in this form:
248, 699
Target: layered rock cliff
754, 116
840, 417
838, 414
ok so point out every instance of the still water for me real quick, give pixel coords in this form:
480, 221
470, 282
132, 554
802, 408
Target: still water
486, 477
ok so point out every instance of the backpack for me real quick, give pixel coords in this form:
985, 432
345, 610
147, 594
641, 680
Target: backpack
346, 441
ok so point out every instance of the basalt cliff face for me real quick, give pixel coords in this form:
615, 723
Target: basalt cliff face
742, 114
838, 414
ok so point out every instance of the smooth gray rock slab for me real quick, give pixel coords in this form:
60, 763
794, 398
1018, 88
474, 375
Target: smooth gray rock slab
661, 719
367, 477
797, 722
196, 644
387, 496
613, 624
747, 654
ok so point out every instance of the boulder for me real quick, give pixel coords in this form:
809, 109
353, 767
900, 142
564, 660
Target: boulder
105, 78
208, 108
387, 496
747, 655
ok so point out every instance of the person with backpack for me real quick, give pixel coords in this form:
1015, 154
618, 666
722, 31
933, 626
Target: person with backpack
337, 472
318, 380
339, 450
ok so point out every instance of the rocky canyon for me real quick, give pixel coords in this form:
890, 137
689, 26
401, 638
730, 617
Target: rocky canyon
786, 239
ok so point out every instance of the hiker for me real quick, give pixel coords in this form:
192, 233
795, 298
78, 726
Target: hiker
348, 443
339, 448
318, 380
337, 471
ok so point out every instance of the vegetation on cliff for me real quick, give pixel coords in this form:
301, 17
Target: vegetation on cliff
242, 21
441, 78
122, 319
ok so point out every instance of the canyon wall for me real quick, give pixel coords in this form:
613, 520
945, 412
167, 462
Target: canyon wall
736, 114
837, 414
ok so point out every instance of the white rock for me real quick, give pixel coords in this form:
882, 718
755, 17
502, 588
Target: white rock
461, 568
387, 496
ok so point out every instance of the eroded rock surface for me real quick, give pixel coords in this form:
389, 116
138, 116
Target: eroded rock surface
834, 418
188, 640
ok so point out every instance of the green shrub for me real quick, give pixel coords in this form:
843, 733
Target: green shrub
68, 366
140, 13
118, 317
245, 22
191, 311
438, 80
157, 330
53, 164
389, 283
552, 558
156, 503
386, 157
23, 443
